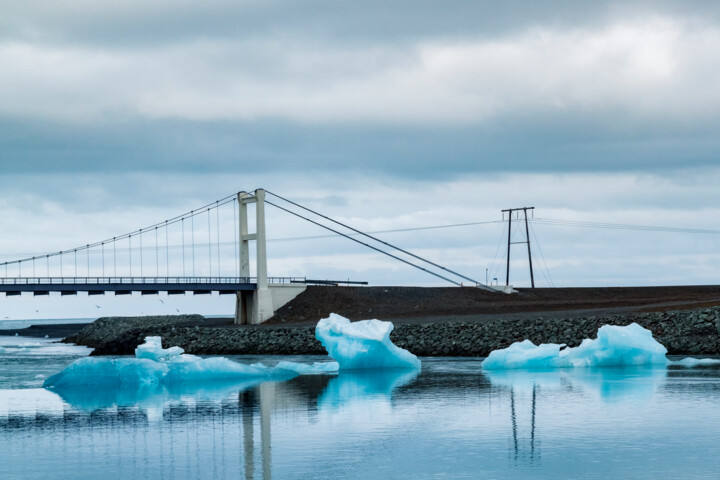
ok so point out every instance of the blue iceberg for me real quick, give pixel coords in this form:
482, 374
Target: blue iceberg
614, 347
154, 365
362, 345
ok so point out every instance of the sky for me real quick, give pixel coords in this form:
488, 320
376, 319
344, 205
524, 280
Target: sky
384, 115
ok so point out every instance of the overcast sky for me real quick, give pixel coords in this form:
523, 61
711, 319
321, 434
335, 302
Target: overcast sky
115, 115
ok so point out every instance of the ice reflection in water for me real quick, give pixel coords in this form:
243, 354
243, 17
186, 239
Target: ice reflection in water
611, 385
452, 420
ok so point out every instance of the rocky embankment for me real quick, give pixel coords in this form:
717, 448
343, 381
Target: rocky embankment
692, 332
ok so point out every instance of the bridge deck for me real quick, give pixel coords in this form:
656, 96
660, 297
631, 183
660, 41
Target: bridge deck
127, 285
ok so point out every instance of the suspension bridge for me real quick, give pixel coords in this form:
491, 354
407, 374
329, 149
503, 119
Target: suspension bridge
202, 251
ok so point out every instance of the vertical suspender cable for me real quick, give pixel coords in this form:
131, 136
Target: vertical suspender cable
157, 259
102, 246
167, 251
130, 252
87, 249
183, 244
192, 239
33, 262
217, 236
141, 254
47, 266
114, 258
209, 244
235, 237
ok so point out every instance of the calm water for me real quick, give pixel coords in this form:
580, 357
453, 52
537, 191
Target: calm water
450, 421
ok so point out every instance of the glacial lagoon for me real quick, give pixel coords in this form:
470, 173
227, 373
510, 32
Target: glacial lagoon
451, 419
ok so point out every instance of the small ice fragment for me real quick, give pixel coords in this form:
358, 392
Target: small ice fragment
152, 349
690, 362
363, 344
305, 369
47, 336
614, 346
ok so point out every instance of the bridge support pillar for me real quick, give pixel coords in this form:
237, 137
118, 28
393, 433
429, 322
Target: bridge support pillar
253, 307
243, 307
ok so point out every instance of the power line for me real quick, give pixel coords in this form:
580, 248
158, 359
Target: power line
622, 226
542, 257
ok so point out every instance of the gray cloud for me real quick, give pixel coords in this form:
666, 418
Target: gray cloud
138, 23
519, 144
403, 89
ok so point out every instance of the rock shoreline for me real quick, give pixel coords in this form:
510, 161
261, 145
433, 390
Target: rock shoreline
683, 332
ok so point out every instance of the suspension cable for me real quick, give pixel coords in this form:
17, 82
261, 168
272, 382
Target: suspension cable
377, 239
363, 243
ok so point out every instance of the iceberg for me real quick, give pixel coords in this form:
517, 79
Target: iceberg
361, 345
154, 365
614, 347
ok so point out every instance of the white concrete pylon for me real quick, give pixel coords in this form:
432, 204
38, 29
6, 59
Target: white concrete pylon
253, 307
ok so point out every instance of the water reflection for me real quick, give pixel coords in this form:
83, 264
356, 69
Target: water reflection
450, 421
148, 396
610, 384
363, 386
228, 424
517, 451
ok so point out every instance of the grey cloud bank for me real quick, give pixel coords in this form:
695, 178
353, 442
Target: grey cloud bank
468, 87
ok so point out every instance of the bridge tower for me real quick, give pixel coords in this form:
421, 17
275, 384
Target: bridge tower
253, 306
256, 306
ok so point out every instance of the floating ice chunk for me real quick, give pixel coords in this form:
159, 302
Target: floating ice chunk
363, 344
614, 346
524, 354
154, 365
690, 362
2, 350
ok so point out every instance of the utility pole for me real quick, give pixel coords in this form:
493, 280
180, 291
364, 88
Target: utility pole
527, 241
